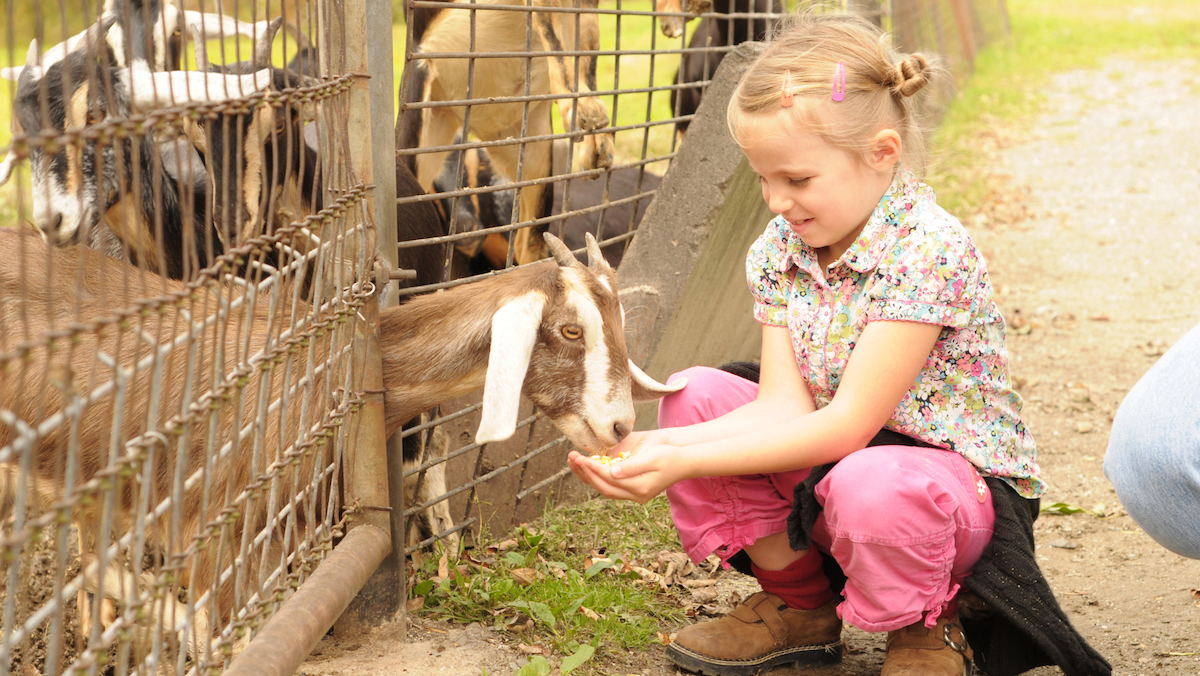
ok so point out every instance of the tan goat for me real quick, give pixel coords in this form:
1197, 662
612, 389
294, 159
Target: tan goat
552, 331
446, 79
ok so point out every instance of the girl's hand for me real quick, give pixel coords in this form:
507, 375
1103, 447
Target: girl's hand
648, 471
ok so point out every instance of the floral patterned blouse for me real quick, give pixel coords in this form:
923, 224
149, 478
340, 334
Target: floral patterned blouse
913, 262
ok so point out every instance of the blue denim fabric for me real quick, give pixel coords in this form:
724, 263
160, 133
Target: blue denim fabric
1153, 457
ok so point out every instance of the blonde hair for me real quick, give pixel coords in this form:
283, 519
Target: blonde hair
879, 84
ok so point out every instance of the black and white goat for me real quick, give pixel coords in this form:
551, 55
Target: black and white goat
125, 183
141, 200
551, 331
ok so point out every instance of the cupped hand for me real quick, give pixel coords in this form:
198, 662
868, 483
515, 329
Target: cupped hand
648, 471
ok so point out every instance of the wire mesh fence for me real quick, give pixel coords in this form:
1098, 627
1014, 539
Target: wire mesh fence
476, 126
178, 377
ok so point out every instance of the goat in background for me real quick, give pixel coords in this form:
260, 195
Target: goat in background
449, 30
140, 200
160, 218
718, 31
552, 331
490, 209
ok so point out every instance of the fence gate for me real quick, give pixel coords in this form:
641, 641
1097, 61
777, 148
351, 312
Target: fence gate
182, 374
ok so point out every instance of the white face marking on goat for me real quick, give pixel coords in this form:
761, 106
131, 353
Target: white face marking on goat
57, 212
605, 404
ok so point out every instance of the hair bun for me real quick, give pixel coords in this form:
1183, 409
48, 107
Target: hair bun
909, 76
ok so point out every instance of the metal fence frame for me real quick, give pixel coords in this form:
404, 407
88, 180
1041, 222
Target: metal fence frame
332, 325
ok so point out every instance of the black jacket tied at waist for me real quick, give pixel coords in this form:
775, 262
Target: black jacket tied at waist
1022, 627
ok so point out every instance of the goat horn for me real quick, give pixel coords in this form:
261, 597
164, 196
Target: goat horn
33, 55
645, 388
596, 258
6, 167
172, 87
32, 58
202, 23
198, 43
561, 253
262, 47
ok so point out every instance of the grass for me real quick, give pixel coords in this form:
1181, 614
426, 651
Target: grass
1047, 37
563, 583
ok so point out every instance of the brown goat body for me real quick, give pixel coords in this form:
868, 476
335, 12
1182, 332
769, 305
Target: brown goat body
177, 418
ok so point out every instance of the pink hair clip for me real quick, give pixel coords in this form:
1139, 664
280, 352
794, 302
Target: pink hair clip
839, 83
785, 92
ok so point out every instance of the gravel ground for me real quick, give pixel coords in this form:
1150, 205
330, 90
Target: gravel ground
1093, 242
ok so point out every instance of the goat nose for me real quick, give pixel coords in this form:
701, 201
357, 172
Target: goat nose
621, 430
51, 225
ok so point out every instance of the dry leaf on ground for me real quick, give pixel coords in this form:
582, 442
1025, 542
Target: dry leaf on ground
526, 576
530, 649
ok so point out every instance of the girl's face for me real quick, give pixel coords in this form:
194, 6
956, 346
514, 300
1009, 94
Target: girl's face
826, 193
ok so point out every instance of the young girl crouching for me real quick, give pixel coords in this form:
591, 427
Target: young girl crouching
879, 323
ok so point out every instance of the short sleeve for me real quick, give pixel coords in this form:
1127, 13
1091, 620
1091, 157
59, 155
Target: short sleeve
768, 285
932, 276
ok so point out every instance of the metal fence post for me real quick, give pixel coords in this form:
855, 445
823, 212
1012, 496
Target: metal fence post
366, 48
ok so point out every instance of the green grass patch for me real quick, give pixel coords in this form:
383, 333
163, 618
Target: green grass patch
564, 582
1047, 38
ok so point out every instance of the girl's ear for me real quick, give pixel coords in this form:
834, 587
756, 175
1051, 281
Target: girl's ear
885, 150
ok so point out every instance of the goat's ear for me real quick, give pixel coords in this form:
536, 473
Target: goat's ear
596, 259
645, 388
562, 254
514, 333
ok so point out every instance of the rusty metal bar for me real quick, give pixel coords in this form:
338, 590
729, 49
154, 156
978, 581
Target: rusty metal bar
280, 647
561, 97
433, 56
588, 173
435, 4
544, 137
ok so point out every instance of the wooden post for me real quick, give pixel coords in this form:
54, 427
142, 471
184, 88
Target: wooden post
365, 44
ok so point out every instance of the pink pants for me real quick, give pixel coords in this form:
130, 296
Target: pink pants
905, 523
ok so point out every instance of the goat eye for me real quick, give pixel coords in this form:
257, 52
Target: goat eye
572, 332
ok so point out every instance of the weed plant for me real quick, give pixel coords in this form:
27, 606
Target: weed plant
562, 582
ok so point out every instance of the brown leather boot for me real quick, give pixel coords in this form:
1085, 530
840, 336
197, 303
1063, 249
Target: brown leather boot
761, 634
917, 650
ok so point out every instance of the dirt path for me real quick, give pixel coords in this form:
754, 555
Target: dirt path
1106, 275
1099, 273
